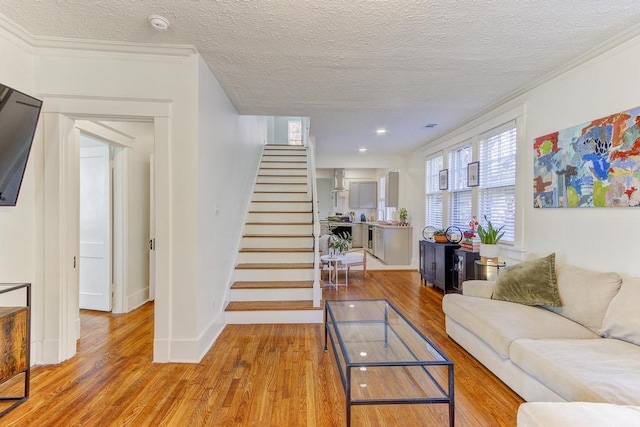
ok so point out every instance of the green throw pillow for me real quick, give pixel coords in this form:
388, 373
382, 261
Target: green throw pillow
530, 283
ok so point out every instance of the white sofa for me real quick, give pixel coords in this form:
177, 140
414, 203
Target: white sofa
588, 350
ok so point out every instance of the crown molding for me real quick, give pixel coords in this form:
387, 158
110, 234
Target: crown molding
34, 43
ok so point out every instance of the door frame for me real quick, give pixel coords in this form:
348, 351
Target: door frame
60, 223
122, 145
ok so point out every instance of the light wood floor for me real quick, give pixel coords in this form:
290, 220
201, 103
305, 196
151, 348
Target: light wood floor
255, 375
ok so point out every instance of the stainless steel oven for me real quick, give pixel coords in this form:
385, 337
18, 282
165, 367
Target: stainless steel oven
370, 236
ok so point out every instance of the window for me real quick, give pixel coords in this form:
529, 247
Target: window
433, 195
294, 132
497, 192
460, 209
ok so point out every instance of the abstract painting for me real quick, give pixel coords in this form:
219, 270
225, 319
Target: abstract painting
596, 164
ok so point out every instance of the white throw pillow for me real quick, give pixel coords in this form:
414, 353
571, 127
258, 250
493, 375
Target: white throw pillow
622, 320
585, 295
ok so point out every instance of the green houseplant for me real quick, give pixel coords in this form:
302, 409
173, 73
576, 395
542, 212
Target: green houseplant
440, 236
403, 214
490, 235
339, 243
489, 238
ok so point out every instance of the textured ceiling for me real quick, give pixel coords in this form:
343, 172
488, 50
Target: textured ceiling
355, 65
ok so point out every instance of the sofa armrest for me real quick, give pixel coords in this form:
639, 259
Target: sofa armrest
478, 288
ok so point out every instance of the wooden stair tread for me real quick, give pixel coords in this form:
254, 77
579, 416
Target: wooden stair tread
274, 266
271, 306
280, 212
276, 250
278, 235
282, 176
281, 192
279, 223
281, 201
302, 284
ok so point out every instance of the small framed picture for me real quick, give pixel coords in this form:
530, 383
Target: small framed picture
473, 174
444, 179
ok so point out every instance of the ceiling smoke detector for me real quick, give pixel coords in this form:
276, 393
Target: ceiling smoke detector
159, 23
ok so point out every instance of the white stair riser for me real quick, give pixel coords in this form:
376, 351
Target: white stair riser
296, 157
273, 275
277, 242
284, 188
280, 217
281, 207
288, 179
283, 165
277, 229
275, 257
276, 171
266, 317
297, 294
293, 197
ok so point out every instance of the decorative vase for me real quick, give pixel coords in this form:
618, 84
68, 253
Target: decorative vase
489, 252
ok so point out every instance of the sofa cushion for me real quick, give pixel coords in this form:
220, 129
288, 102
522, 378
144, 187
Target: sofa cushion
622, 319
585, 414
585, 294
591, 370
530, 282
498, 323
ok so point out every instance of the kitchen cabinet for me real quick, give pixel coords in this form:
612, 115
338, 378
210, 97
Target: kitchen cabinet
356, 235
392, 245
436, 264
391, 189
363, 195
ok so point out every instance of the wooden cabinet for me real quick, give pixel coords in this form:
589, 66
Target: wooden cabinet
436, 264
15, 340
363, 194
391, 190
356, 235
463, 267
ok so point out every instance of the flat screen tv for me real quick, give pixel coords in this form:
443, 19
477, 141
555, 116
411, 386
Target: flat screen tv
18, 119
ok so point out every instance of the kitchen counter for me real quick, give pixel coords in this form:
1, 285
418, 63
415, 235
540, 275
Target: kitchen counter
377, 224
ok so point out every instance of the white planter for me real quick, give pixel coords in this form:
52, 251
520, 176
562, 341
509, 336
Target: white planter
489, 251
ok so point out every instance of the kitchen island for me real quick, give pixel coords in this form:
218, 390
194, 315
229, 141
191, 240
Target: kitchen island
391, 243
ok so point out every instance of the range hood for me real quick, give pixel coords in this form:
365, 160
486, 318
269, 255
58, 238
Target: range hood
338, 180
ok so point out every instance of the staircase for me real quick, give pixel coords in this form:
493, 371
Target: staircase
275, 272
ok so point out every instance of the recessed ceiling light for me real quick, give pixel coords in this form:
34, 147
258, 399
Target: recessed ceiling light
431, 125
159, 23
362, 149
381, 131
363, 353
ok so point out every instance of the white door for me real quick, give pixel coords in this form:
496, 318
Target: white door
95, 228
152, 230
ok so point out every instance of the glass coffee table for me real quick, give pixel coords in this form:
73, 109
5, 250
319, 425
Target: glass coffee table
383, 359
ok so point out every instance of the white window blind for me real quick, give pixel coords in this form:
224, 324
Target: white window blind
460, 201
433, 195
497, 156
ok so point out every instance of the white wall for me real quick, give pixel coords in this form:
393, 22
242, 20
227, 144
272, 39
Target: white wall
598, 238
19, 225
229, 149
184, 310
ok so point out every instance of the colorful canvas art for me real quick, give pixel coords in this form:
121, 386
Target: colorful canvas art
596, 164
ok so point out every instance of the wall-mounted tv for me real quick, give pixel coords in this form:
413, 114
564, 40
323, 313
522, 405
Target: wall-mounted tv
18, 119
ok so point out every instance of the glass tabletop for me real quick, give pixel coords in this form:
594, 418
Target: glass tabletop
374, 333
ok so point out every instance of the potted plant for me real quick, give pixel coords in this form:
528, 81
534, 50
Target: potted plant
440, 236
339, 243
403, 215
489, 238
